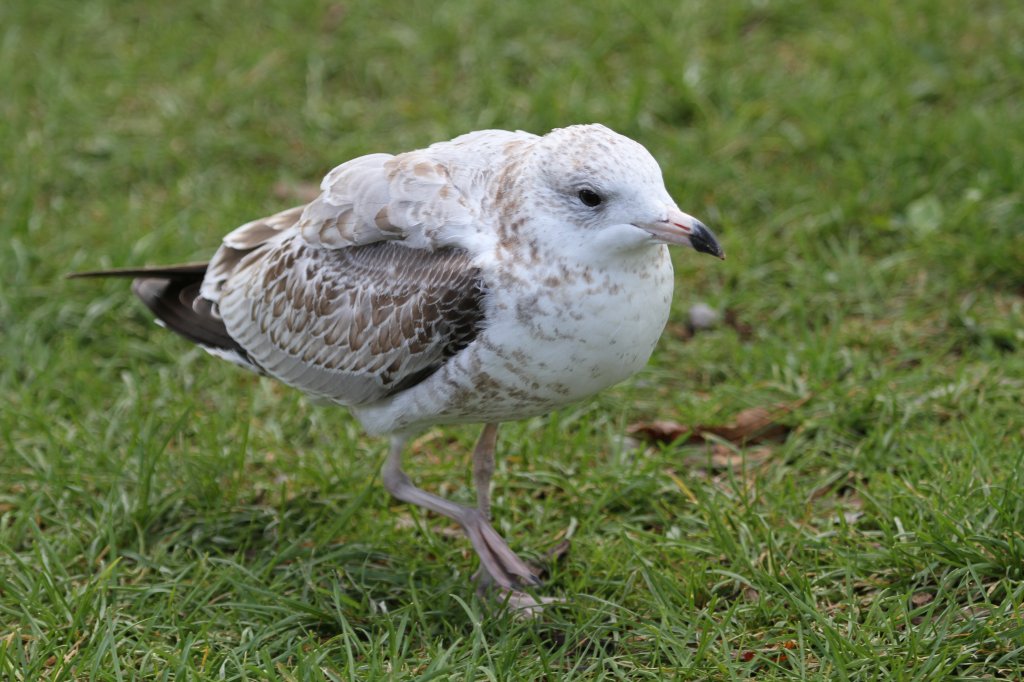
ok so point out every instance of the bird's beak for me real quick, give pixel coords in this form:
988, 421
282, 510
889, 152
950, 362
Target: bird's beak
680, 228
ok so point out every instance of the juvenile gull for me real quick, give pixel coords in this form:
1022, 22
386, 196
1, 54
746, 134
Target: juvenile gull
493, 277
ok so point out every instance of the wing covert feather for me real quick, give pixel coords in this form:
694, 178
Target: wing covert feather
355, 324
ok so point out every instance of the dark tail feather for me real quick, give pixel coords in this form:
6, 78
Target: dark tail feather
166, 272
172, 293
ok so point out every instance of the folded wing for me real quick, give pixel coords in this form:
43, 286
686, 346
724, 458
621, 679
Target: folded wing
359, 294
363, 292
353, 325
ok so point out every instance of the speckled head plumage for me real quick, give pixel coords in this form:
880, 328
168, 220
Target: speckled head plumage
594, 153
587, 181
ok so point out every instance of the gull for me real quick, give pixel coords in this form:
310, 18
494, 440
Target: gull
493, 277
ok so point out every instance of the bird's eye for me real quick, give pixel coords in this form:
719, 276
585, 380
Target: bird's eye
589, 197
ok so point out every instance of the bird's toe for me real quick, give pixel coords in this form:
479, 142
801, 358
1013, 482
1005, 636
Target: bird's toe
525, 605
497, 559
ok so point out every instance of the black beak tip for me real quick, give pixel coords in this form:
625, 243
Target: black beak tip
704, 241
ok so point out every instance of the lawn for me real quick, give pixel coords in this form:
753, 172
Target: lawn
164, 515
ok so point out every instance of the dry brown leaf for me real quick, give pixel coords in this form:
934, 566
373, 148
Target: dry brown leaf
751, 426
921, 598
660, 431
755, 424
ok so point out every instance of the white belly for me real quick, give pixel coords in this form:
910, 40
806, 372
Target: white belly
544, 346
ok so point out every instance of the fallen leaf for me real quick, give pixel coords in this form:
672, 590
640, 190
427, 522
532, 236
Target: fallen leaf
921, 598
755, 424
660, 431
751, 426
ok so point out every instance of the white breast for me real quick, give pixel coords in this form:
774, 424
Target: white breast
558, 337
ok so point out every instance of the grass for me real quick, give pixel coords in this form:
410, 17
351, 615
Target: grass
165, 516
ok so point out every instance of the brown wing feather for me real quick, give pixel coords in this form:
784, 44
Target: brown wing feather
354, 324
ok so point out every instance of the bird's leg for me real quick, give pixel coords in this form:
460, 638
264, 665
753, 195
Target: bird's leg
496, 558
483, 468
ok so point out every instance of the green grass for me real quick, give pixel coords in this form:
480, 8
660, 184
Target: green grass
166, 516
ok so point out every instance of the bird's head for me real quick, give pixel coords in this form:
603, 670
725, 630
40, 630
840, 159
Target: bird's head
611, 190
